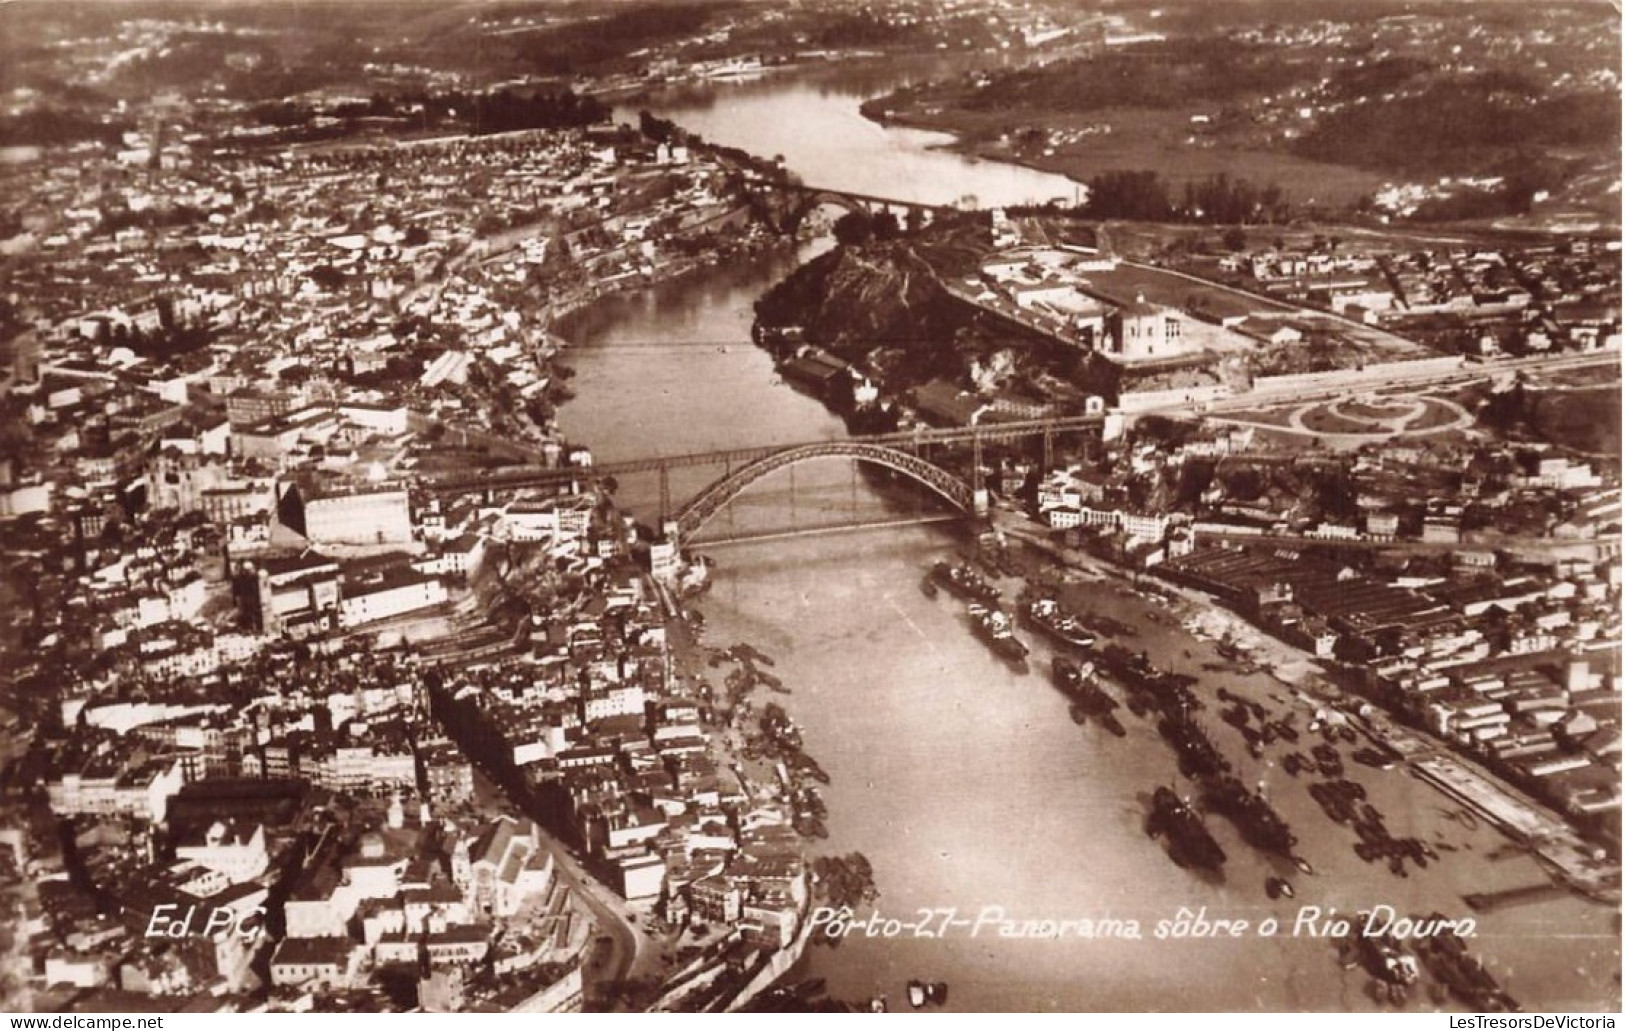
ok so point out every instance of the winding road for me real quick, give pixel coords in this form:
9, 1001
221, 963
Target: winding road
632, 955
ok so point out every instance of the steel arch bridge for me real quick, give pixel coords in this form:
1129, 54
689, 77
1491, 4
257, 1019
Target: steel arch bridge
719, 494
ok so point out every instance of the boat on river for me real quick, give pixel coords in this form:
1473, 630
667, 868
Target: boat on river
1383, 954
1089, 700
1260, 824
993, 626
1189, 842
1199, 757
1053, 620
1164, 690
965, 582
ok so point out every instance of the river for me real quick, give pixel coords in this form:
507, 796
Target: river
966, 783
812, 121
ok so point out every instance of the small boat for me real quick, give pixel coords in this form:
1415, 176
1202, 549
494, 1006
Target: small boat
993, 626
916, 994
1189, 842
936, 992
1302, 864
928, 587
1047, 615
1278, 888
878, 1004
965, 582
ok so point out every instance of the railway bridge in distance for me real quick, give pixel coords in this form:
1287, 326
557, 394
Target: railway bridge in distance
785, 205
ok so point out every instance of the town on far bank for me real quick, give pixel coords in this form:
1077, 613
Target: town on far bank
340, 678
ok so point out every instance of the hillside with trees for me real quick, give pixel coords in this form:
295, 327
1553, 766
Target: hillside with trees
1494, 122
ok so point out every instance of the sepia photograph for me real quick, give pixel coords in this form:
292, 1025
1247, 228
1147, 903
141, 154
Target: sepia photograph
832, 506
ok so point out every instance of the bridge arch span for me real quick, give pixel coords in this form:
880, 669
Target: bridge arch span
719, 494
817, 199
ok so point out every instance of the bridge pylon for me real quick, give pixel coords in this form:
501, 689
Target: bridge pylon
978, 486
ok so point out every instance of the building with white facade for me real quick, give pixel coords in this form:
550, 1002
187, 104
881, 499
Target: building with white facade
360, 517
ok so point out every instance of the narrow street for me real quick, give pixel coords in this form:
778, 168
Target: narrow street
632, 954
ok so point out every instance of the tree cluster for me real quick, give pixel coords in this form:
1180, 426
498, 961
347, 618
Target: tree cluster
660, 130
1225, 201
1142, 195
1164, 75
162, 343
1464, 125
583, 44
1507, 411
509, 111
115, 219
1527, 176
861, 29
504, 110
47, 127
859, 227
846, 880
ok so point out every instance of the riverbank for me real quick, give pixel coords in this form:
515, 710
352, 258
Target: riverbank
1234, 658
1128, 140
773, 771
1519, 818
967, 139
673, 271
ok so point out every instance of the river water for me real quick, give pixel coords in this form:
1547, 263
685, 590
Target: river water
812, 121
964, 782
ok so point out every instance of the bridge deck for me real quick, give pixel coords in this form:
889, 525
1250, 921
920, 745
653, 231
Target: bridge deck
868, 198
537, 476
755, 537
